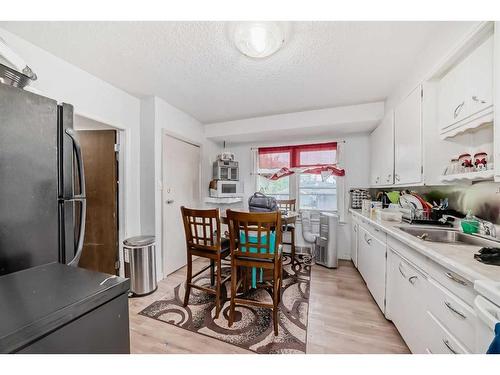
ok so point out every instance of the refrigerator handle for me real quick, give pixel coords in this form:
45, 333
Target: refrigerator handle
79, 198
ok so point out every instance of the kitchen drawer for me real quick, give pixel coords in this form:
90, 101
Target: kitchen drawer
452, 282
373, 231
412, 255
453, 313
440, 340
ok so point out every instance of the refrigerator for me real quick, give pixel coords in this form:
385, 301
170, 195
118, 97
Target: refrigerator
42, 183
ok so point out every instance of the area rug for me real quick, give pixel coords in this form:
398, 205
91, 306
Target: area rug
253, 326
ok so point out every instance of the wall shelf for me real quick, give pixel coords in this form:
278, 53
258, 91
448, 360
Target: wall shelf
212, 200
479, 121
469, 177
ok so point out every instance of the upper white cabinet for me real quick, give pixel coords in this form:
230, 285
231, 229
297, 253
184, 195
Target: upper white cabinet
466, 92
382, 152
408, 139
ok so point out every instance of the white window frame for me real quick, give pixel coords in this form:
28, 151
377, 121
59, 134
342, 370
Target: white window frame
297, 195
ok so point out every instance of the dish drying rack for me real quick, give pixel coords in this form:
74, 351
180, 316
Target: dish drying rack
421, 216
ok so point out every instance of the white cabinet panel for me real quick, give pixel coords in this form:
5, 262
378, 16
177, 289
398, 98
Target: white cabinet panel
440, 340
408, 139
354, 241
466, 92
406, 301
453, 313
372, 264
382, 152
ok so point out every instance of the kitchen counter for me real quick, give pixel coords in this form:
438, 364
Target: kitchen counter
47, 309
457, 258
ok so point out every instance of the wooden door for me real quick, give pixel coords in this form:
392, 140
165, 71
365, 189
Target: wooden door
100, 250
181, 187
408, 139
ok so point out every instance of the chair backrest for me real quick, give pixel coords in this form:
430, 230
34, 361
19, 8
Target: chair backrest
202, 228
254, 234
286, 204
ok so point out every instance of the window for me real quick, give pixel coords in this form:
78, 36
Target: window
308, 162
316, 194
280, 189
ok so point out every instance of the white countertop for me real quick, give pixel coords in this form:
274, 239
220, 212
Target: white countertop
458, 258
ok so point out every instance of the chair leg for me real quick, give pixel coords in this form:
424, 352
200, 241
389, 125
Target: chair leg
276, 293
188, 279
233, 292
218, 286
292, 235
212, 272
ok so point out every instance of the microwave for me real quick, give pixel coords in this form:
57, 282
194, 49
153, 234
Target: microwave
225, 170
226, 189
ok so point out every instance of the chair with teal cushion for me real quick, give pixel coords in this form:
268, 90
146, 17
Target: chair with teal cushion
253, 249
255, 242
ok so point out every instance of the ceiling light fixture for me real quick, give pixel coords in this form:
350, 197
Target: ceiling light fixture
259, 39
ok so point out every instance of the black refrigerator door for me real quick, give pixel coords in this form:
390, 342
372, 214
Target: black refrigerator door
29, 217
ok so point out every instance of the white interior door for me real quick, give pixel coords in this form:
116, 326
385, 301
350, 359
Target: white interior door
181, 187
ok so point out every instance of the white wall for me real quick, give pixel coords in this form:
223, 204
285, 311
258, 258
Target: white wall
356, 163
95, 99
440, 46
157, 118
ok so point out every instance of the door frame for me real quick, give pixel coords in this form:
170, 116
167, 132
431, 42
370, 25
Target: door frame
161, 193
123, 139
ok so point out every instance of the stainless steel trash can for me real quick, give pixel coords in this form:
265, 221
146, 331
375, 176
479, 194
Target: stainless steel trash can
140, 264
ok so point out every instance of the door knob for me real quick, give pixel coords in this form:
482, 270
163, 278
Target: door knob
170, 201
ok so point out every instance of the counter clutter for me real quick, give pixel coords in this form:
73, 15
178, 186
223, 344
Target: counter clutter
426, 288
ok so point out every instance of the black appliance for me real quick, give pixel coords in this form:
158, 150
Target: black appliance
42, 185
55, 308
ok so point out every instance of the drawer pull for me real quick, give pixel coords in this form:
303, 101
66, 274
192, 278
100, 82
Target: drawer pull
458, 110
452, 309
448, 345
452, 277
412, 279
368, 240
401, 271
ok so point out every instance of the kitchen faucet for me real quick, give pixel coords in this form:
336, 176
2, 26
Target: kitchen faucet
488, 228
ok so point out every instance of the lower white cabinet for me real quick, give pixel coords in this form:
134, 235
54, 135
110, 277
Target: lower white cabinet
406, 301
354, 241
372, 264
429, 304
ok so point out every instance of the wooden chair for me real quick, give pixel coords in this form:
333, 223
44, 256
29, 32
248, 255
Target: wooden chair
289, 205
251, 244
203, 239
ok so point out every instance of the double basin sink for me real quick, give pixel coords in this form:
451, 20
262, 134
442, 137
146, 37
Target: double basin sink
449, 236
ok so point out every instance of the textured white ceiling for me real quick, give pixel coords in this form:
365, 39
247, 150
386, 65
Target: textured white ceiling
195, 66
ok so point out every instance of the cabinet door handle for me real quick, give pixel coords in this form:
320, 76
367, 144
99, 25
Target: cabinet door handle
476, 99
355, 229
368, 240
396, 176
452, 309
448, 345
457, 110
389, 177
452, 277
412, 279
401, 271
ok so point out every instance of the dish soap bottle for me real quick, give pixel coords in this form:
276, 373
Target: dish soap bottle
470, 224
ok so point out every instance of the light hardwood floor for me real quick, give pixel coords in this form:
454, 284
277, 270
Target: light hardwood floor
343, 318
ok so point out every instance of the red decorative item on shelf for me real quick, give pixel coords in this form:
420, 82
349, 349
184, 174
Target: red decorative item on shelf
481, 161
465, 161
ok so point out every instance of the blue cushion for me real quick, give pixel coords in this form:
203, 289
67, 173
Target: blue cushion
262, 250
